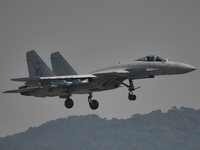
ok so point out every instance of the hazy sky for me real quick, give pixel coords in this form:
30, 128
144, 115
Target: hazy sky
93, 34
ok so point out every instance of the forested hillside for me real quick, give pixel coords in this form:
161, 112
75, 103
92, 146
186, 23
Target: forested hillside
176, 129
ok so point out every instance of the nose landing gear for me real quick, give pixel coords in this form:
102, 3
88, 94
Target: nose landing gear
131, 96
131, 88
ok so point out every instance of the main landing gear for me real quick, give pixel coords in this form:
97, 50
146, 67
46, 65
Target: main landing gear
69, 103
94, 104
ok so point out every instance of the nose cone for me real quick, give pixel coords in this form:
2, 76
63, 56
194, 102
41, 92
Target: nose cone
184, 68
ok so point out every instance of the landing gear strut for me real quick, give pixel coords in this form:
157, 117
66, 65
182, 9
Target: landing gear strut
131, 88
69, 103
94, 104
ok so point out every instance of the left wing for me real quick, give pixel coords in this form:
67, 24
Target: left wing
112, 78
55, 78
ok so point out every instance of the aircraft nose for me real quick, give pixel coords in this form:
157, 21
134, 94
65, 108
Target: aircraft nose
184, 68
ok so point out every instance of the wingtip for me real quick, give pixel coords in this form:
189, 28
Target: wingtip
7, 92
15, 79
31, 51
55, 53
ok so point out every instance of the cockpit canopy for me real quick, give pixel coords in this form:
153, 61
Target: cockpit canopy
152, 58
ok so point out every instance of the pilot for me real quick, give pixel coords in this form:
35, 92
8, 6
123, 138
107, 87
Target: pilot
150, 58
157, 58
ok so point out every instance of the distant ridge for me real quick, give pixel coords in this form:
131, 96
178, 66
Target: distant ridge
176, 129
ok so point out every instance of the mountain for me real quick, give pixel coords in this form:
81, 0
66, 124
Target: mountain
175, 129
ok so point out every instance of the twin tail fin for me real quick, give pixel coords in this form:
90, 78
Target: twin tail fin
36, 66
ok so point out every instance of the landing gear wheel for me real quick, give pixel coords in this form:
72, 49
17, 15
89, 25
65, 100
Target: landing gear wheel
69, 103
94, 104
132, 97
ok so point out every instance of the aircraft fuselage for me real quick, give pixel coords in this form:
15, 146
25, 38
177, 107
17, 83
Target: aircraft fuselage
137, 70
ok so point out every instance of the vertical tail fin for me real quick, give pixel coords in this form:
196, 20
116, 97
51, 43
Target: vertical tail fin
36, 66
60, 66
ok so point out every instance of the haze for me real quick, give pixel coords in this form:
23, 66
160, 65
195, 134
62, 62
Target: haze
92, 35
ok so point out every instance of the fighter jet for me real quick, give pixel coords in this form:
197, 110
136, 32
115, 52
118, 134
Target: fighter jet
64, 81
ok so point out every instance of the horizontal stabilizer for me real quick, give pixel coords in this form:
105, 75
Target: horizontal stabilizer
54, 78
22, 90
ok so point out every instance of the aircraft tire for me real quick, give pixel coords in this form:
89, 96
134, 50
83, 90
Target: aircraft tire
94, 104
132, 97
69, 103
